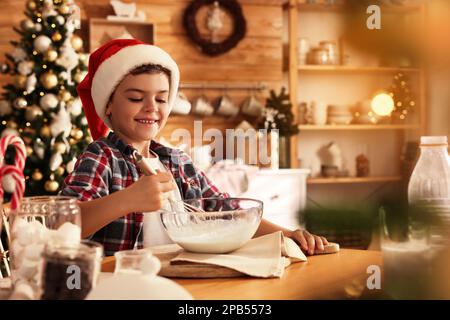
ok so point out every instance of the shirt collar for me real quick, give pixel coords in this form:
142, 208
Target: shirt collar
161, 150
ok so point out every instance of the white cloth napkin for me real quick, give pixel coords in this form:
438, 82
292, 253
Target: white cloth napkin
266, 256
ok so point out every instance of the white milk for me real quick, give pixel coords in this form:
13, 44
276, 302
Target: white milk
407, 269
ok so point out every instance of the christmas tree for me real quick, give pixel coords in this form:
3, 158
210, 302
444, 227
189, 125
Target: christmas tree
41, 105
278, 114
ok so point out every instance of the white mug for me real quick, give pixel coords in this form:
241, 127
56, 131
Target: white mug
319, 112
181, 104
252, 106
226, 107
202, 106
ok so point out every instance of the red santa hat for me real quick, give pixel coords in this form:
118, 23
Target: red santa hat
108, 65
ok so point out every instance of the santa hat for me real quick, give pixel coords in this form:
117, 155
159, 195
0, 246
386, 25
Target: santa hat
108, 65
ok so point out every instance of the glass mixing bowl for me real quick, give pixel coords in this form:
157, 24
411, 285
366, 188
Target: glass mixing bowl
212, 225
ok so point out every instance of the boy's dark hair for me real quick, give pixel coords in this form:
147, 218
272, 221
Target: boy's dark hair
147, 68
150, 68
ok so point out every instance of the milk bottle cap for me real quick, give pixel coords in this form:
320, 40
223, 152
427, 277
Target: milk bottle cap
433, 140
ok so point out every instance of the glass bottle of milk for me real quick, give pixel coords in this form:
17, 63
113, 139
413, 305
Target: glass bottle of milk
429, 186
408, 250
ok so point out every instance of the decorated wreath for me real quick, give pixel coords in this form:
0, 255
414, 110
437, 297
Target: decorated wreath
209, 46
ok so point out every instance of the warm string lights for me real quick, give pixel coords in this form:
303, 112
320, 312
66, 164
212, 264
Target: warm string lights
393, 105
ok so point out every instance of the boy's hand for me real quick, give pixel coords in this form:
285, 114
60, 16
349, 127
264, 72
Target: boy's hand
308, 242
148, 192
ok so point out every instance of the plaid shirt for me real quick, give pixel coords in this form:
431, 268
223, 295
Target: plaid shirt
107, 166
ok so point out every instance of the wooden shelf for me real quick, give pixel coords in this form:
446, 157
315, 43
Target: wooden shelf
354, 180
311, 127
296, 9
103, 30
355, 69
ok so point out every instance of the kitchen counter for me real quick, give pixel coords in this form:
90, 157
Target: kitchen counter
334, 276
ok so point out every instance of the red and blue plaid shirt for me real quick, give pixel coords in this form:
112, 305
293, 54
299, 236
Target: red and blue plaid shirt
107, 166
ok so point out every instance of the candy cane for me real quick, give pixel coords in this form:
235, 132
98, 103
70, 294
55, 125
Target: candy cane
21, 153
19, 184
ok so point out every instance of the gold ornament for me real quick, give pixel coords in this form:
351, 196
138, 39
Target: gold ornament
84, 58
78, 77
49, 80
65, 95
31, 5
60, 171
56, 37
60, 147
20, 103
45, 131
77, 134
21, 81
32, 113
77, 42
29, 151
64, 9
88, 139
11, 124
26, 24
37, 175
51, 186
51, 55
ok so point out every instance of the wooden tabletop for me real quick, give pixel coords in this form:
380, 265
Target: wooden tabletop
333, 276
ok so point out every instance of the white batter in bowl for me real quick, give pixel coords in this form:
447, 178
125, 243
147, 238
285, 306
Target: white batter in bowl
223, 225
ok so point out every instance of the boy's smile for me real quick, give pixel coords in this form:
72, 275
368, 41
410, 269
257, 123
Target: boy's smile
139, 108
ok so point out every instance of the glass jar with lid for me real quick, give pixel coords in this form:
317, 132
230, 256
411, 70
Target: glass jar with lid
70, 271
37, 221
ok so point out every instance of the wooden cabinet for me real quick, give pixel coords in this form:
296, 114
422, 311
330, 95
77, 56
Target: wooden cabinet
302, 19
280, 207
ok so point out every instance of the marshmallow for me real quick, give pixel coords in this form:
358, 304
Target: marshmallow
17, 253
28, 268
69, 233
25, 235
33, 252
22, 291
32, 232
40, 232
18, 224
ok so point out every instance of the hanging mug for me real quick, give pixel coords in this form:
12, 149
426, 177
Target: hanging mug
202, 107
181, 104
252, 106
226, 107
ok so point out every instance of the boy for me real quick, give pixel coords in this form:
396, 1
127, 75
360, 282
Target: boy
130, 88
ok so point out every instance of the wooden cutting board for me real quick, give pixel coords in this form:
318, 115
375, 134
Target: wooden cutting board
166, 253
182, 269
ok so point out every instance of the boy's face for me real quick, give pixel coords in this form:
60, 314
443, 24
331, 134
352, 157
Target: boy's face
139, 107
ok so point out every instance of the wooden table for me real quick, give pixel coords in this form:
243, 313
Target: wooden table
334, 276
